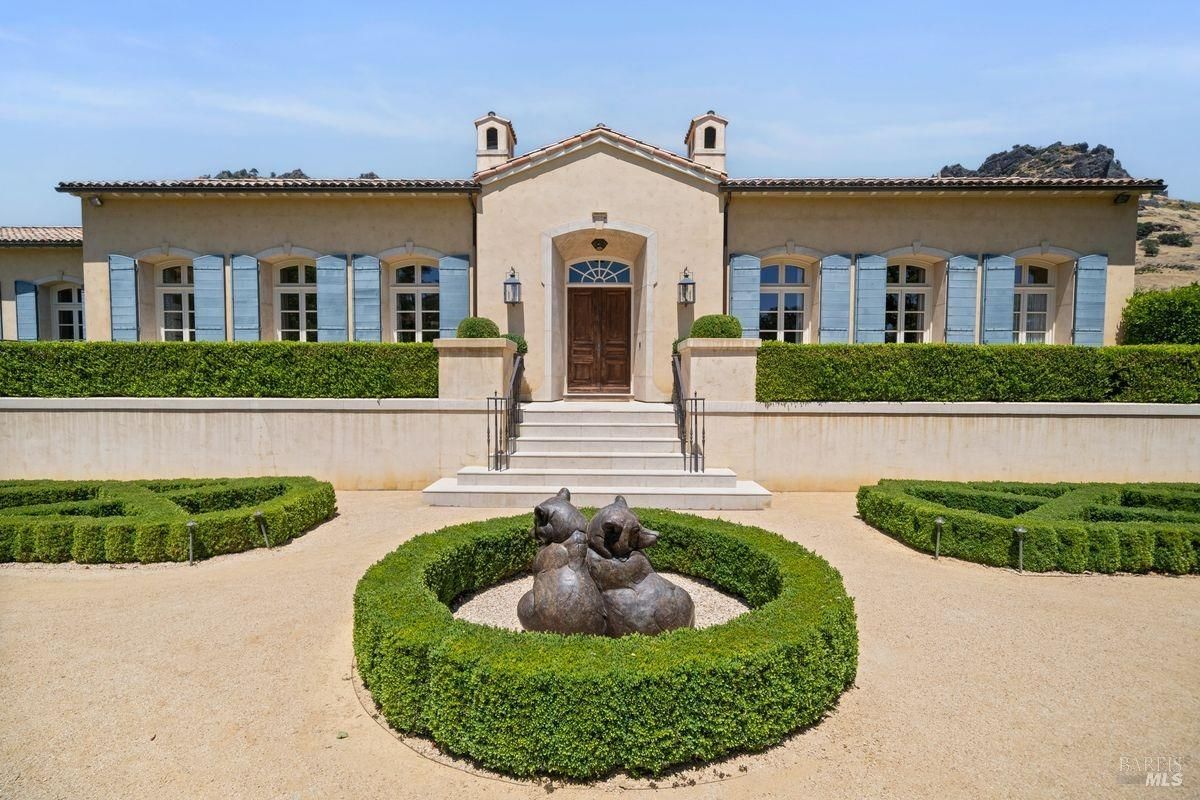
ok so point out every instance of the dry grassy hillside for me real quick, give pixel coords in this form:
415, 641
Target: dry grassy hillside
1173, 266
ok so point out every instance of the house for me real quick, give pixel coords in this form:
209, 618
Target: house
599, 229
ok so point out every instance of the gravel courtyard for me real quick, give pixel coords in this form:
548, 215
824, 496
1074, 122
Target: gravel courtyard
233, 678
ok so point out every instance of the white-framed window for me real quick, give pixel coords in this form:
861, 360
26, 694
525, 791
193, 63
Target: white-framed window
1033, 293
416, 303
296, 303
66, 309
906, 304
783, 302
176, 304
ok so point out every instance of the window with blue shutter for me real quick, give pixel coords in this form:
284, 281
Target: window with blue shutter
27, 312
331, 299
243, 284
960, 299
835, 299
870, 289
208, 298
455, 280
998, 275
1091, 284
745, 279
366, 299
123, 298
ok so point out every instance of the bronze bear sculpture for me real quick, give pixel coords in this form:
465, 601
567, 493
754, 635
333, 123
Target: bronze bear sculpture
594, 579
636, 598
564, 598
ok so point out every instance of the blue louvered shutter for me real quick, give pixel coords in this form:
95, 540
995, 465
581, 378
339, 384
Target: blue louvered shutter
998, 273
960, 299
835, 299
455, 287
366, 299
745, 277
208, 275
870, 288
243, 282
331, 299
122, 298
27, 316
1091, 282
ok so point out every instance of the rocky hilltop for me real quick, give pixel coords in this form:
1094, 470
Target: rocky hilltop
1054, 161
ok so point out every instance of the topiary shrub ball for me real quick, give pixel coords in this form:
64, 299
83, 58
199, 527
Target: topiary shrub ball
716, 326
477, 328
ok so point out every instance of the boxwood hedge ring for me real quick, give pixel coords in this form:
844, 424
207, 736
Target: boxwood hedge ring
583, 706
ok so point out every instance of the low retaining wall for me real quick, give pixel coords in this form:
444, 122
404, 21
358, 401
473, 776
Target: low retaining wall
841, 446
353, 444
407, 444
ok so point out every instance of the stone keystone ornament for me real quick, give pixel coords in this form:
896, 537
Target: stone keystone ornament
593, 578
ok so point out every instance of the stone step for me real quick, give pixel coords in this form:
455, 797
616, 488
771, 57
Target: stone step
596, 413
745, 495
657, 478
601, 460
621, 430
595, 444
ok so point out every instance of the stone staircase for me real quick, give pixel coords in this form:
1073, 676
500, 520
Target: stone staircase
598, 450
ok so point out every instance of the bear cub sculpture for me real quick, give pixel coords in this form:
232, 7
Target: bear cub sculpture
593, 578
636, 598
564, 598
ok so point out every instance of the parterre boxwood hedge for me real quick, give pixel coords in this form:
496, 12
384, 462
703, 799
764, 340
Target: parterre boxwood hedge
964, 373
217, 369
95, 522
1072, 527
583, 706
477, 328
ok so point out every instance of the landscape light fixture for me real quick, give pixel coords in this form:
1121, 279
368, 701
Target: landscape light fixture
687, 289
938, 522
1020, 532
512, 287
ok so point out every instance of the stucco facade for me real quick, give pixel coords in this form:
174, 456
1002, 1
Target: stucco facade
596, 224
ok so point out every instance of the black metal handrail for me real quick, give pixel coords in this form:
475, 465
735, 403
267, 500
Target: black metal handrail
504, 419
690, 420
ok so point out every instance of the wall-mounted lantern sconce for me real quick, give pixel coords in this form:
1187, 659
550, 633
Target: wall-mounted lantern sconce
512, 287
687, 289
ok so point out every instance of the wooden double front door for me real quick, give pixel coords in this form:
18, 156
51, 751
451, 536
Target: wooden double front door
598, 339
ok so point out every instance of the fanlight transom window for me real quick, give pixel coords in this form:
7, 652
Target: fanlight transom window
598, 272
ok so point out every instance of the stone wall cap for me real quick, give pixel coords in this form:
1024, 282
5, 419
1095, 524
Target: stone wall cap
722, 346
964, 409
243, 404
496, 343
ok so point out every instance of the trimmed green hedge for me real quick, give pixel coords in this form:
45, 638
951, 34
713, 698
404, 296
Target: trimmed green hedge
1072, 527
217, 369
95, 522
1169, 316
961, 373
716, 326
583, 706
477, 328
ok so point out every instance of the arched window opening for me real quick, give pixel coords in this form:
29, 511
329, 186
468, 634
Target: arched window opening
67, 312
493, 139
176, 304
710, 138
1033, 292
417, 303
905, 304
782, 302
296, 303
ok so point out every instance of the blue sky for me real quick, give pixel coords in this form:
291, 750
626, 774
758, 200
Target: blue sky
137, 90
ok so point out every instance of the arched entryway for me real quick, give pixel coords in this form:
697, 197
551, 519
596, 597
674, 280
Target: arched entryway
599, 327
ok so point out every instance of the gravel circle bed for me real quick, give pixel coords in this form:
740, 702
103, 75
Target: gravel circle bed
497, 605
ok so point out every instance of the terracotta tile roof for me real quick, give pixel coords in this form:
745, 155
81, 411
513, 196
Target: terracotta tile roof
41, 236
273, 185
600, 131
851, 184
